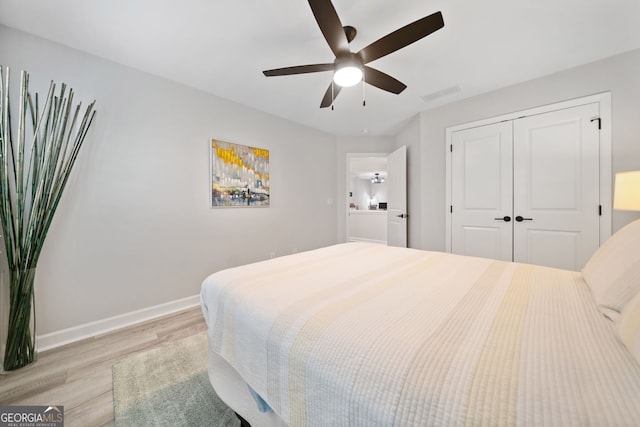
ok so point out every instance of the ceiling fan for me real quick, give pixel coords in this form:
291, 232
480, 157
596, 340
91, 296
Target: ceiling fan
348, 67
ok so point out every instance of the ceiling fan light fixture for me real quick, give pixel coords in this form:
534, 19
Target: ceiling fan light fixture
347, 76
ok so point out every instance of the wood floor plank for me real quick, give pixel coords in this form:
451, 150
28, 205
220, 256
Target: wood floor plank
79, 375
98, 412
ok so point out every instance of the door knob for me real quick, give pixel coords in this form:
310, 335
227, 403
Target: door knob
403, 215
520, 219
504, 218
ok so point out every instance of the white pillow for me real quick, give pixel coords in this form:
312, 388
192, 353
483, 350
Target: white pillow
628, 326
613, 272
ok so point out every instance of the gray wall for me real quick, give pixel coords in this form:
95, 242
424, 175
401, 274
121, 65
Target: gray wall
134, 228
619, 74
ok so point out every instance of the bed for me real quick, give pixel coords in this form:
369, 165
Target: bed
361, 334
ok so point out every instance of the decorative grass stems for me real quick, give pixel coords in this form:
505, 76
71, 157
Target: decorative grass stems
36, 157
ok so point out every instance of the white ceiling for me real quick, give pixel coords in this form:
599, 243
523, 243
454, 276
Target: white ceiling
221, 47
366, 167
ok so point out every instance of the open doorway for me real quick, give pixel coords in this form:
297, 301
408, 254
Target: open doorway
376, 190
367, 183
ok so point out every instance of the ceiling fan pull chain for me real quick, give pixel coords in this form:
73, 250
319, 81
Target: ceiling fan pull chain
364, 102
332, 97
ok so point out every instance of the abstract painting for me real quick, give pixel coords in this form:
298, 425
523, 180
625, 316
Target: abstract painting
239, 175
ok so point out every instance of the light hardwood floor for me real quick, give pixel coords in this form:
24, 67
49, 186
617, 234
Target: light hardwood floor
78, 375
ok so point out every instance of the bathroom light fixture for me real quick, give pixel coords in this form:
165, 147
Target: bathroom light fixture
377, 179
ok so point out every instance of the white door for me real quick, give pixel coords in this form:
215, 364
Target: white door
481, 166
397, 198
527, 189
556, 187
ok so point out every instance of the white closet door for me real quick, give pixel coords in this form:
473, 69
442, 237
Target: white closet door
482, 179
556, 187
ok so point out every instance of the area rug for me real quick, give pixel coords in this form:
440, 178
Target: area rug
169, 386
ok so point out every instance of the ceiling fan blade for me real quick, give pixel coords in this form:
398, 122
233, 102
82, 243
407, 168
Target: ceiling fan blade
383, 81
328, 99
298, 69
402, 37
330, 25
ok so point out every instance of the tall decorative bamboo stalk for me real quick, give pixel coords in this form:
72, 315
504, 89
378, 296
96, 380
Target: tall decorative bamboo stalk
36, 159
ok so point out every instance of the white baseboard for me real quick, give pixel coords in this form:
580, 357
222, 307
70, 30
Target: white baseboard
360, 239
88, 330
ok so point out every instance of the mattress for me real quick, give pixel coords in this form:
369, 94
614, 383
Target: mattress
363, 334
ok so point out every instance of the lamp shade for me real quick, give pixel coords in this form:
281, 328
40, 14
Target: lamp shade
627, 191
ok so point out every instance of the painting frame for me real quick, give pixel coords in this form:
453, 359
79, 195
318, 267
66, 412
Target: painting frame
238, 175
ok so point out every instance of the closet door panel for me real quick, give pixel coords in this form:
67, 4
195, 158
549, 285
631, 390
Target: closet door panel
554, 178
556, 187
566, 247
482, 182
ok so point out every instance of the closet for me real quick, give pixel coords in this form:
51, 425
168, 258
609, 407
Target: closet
528, 188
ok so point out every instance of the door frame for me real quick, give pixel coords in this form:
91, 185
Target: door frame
604, 100
348, 180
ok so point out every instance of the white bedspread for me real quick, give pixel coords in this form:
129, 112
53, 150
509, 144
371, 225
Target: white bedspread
362, 334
